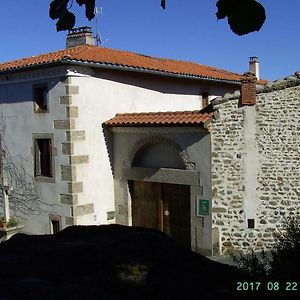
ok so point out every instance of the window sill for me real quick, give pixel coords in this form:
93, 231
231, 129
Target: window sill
41, 111
44, 179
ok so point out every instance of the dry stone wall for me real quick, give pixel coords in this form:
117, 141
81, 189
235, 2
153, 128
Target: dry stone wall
260, 180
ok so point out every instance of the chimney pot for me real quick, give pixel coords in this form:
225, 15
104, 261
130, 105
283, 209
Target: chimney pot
80, 36
254, 66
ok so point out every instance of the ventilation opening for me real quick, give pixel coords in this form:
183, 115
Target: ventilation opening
251, 223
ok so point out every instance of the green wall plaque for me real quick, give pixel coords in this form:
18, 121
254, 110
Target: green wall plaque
110, 215
202, 207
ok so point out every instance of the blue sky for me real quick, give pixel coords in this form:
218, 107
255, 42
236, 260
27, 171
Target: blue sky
186, 30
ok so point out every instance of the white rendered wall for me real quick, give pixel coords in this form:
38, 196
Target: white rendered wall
16, 105
99, 99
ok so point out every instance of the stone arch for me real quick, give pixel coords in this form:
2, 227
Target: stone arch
143, 144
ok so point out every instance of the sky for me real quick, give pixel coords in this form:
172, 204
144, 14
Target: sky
186, 30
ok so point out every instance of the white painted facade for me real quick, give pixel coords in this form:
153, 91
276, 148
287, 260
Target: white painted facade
97, 94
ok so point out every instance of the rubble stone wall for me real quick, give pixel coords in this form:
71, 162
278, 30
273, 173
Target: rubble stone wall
260, 180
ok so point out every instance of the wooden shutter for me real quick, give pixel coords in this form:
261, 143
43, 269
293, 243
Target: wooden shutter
37, 164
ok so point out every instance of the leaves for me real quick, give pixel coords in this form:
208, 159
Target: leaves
66, 20
57, 8
244, 16
89, 8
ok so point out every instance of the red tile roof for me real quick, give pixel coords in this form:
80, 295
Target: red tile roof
176, 118
123, 59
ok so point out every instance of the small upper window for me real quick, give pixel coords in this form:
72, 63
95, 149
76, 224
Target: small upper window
40, 94
43, 158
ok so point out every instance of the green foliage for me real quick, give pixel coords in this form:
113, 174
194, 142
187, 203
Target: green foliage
255, 264
12, 222
286, 253
133, 273
244, 16
89, 8
66, 20
283, 261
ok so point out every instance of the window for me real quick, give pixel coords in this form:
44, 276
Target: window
43, 157
55, 226
204, 99
55, 223
40, 94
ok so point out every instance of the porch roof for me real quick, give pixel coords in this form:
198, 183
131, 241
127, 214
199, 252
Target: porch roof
169, 118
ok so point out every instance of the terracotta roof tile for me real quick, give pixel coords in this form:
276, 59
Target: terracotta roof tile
176, 118
111, 57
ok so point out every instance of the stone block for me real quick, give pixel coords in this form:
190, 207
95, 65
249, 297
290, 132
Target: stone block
64, 124
68, 80
68, 173
70, 221
78, 159
69, 199
75, 135
72, 112
82, 210
65, 100
72, 89
219, 210
75, 187
67, 148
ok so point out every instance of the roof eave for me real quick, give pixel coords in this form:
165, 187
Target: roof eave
119, 68
148, 71
31, 67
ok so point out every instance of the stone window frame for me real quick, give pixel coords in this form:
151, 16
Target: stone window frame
36, 136
36, 107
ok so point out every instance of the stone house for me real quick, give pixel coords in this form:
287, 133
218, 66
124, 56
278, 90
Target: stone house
216, 178
53, 106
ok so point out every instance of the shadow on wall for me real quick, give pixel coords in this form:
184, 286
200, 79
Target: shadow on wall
108, 139
163, 84
22, 92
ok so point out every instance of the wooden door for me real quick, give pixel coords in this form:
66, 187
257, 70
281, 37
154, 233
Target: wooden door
176, 214
162, 206
145, 204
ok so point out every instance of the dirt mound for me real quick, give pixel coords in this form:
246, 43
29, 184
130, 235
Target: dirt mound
110, 262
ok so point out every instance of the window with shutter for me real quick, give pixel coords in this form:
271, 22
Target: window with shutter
43, 157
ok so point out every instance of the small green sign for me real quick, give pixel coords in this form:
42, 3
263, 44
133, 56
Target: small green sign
110, 215
202, 207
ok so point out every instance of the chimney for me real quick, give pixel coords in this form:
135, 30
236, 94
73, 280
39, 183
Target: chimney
254, 66
248, 89
80, 36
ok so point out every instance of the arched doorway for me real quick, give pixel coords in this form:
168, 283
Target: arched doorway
160, 205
